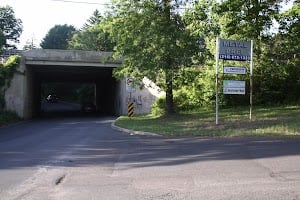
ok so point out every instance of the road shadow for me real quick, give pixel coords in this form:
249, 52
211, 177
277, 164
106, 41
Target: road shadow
76, 142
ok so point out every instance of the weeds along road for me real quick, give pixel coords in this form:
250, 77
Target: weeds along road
83, 158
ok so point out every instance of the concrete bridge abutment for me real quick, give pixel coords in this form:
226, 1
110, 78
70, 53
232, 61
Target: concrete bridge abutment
42, 66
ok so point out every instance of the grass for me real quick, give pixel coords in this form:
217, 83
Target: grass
7, 117
270, 121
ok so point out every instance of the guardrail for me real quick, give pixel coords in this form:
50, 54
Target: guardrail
6, 53
10, 52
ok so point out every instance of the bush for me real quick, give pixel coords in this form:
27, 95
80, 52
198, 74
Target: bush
8, 117
158, 108
194, 88
6, 73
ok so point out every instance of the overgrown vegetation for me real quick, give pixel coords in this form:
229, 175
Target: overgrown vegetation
155, 38
173, 43
270, 121
276, 54
6, 73
58, 37
92, 36
8, 117
140, 38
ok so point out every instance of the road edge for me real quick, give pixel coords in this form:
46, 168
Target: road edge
133, 132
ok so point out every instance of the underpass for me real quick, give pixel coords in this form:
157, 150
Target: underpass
41, 68
100, 79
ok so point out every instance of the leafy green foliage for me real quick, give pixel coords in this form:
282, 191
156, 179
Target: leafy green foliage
92, 36
249, 20
8, 117
147, 37
177, 49
8, 69
2, 41
276, 55
95, 19
277, 76
158, 107
153, 38
6, 73
195, 88
58, 37
10, 27
288, 37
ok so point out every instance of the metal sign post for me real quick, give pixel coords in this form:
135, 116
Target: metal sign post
251, 81
217, 69
238, 51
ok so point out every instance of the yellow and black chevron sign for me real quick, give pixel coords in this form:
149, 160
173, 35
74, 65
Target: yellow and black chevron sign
130, 109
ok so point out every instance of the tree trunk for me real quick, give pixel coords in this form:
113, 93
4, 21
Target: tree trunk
169, 107
169, 92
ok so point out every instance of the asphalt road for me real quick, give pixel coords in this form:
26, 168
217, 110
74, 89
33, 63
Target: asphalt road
83, 158
59, 106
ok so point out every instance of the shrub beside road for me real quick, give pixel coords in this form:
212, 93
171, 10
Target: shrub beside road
266, 121
8, 118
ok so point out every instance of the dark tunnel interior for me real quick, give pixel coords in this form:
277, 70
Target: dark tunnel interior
72, 90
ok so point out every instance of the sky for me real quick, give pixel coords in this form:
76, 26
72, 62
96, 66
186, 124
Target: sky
39, 16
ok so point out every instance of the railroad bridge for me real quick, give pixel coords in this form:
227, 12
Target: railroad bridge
40, 66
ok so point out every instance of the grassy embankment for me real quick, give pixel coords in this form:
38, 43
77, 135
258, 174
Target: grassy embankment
270, 121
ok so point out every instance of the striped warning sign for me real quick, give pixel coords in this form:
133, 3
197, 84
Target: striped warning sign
130, 109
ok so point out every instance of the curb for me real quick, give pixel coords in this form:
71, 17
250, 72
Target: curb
132, 132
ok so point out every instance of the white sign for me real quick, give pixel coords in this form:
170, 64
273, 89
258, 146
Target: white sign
234, 70
234, 87
129, 85
234, 50
234, 91
230, 83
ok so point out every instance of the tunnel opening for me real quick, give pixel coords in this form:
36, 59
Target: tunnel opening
59, 91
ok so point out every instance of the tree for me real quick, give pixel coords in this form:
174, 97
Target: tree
153, 39
95, 19
246, 20
10, 27
92, 36
203, 21
30, 44
58, 37
254, 20
287, 46
249, 20
289, 31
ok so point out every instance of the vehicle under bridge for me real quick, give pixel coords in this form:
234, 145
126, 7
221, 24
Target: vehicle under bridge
41, 67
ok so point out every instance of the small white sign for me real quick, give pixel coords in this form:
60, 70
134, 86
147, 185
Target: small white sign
129, 85
234, 70
234, 87
234, 91
233, 83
